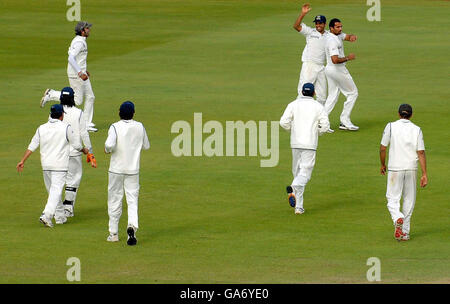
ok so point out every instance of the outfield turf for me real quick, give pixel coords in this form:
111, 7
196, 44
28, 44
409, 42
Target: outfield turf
225, 219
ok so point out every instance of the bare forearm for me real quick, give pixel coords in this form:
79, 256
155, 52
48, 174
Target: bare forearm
423, 162
383, 157
298, 22
26, 155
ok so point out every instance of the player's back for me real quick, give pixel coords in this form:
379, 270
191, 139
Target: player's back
405, 140
54, 145
304, 128
73, 116
125, 158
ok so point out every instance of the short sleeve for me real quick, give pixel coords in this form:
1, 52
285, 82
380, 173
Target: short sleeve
332, 46
306, 30
420, 143
342, 36
386, 135
34, 144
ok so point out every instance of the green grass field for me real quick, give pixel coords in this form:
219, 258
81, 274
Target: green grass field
226, 219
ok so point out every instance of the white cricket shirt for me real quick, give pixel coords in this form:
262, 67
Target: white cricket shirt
78, 50
126, 139
404, 140
75, 118
314, 50
303, 117
54, 138
334, 46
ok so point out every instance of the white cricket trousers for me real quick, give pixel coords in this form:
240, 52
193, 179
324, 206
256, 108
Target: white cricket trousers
116, 186
398, 183
303, 161
73, 180
54, 183
314, 73
82, 90
340, 80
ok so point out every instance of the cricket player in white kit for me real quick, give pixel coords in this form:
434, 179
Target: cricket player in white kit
339, 78
406, 146
126, 139
75, 117
79, 77
306, 119
54, 139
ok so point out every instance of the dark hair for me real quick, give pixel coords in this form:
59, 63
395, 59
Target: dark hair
67, 100
333, 22
308, 93
405, 111
126, 116
56, 115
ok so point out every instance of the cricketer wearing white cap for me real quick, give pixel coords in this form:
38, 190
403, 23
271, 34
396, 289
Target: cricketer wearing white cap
79, 77
75, 118
54, 139
126, 139
306, 119
313, 56
406, 146
339, 78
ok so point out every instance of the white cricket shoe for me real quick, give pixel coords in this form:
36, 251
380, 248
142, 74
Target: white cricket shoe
348, 126
113, 238
131, 231
91, 124
60, 220
330, 130
46, 221
92, 129
45, 98
299, 210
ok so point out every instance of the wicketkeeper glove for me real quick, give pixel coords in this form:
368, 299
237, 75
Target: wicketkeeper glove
91, 159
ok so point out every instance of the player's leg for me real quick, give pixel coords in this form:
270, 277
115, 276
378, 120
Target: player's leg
348, 88
394, 193
54, 181
321, 86
115, 195
73, 181
308, 74
409, 199
50, 95
131, 185
76, 83
333, 90
89, 105
306, 163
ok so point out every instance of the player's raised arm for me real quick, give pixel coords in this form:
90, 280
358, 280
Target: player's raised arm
305, 9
